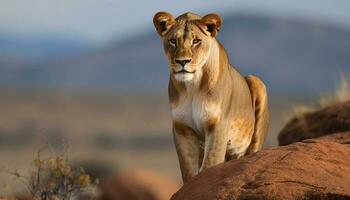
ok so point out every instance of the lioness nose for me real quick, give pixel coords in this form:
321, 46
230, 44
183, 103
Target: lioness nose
183, 62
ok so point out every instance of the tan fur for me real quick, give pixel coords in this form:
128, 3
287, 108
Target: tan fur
217, 113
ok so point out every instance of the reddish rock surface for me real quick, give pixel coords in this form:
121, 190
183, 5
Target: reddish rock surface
342, 138
138, 185
331, 119
312, 169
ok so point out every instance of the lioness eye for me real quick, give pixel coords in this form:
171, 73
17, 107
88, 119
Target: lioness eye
172, 41
196, 41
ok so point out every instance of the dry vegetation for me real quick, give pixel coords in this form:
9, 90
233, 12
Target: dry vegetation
53, 178
342, 94
331, 115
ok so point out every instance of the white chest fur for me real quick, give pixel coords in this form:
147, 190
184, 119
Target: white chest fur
194, 111
183, 111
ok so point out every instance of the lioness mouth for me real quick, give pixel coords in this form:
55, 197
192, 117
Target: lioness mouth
184, 71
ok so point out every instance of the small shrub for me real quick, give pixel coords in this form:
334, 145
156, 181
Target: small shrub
54, 179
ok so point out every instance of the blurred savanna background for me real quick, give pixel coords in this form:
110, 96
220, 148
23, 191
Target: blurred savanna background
92, 75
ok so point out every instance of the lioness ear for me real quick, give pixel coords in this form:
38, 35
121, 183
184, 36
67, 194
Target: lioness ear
213, 23
163, 21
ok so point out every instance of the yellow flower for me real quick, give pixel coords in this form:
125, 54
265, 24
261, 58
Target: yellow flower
51, 163
84, 180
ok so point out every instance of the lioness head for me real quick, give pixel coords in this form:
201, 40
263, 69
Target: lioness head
187, 41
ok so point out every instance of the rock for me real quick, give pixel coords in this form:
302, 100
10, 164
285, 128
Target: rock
138, 185
342, 138
312, 169
331, 119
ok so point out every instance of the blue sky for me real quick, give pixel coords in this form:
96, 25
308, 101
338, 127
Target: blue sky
100, 21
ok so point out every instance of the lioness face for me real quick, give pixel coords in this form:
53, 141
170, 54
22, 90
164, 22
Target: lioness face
187, 41
187, 49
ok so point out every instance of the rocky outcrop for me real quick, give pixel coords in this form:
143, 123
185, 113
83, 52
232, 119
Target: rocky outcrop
331, 119
317, 168
311, 169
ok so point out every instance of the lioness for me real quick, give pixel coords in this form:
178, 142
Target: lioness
217, 113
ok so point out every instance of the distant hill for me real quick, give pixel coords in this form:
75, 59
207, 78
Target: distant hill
39, 47
290, 55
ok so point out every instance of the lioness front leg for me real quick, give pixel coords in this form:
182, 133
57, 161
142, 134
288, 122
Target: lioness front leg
215, 146
188, 150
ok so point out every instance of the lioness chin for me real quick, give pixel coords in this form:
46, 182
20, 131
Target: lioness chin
217, 113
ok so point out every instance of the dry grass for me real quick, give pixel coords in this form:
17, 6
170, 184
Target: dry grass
342, 94
53, 178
